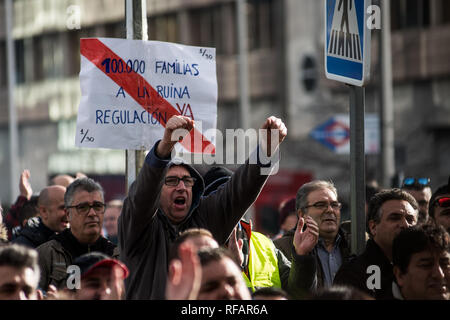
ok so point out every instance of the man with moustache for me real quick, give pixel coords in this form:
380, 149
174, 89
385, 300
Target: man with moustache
84, 206
52, 218
319, 200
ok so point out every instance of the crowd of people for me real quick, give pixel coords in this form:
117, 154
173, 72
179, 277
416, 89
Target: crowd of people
179, 235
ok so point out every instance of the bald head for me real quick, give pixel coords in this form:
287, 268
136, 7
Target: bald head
51, 208
62, 180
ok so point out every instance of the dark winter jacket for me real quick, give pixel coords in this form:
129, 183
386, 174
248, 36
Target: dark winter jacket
57, 254
146, 234
34, 233
355, 273
285, 244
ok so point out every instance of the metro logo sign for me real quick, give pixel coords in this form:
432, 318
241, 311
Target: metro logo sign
332, 134
335, 134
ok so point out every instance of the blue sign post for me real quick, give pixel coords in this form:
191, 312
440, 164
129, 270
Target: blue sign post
347, 59
347, 41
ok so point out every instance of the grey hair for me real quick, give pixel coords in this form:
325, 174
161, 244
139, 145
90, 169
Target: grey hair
19, 257
301, 200
83, 184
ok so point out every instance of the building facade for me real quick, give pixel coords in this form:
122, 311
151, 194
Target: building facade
286, 78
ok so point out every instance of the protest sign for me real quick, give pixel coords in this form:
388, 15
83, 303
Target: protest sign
131, 88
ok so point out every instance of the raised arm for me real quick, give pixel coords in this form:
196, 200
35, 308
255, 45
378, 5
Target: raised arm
222, 210
141, 205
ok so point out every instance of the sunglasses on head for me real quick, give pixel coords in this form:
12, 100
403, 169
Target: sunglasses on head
443, 202
416, 182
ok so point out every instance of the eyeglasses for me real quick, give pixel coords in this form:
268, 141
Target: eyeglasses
443, 202
173, 181
416, 182
85, 207
322, 205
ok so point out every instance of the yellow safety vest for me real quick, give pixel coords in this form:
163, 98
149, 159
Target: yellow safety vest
263, 263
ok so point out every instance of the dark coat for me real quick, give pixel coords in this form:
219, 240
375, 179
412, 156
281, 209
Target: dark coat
285, 244
146, 234
34, 233
60, 252
354, 273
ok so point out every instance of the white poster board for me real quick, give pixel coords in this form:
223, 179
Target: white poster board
131, 88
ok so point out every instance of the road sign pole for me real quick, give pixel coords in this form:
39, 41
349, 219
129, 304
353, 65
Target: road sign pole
387, 154
244, 99
136, 26
357, 169
12, 113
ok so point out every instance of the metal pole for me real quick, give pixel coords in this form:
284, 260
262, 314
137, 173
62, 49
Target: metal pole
136, 25
357, 169
387, 109
244, 100
13, 131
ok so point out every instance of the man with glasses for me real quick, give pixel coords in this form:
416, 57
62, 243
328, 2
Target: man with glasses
318, 200
420, 189
439, 207
167, 198
390, 211
51, 220
84, 206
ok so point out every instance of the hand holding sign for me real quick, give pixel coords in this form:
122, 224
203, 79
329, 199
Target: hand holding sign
176, 129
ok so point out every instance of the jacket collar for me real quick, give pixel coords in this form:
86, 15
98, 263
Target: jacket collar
36, 230
76, 248
374, 252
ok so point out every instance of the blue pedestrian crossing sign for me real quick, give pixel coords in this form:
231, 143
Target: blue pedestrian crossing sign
347, 41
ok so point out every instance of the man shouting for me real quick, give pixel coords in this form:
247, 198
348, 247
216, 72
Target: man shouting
167, 198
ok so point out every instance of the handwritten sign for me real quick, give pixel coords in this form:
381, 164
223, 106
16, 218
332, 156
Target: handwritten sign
131, 88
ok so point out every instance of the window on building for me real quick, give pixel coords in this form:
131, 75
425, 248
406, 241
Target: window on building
116, 30
3, 66
207, 27
20, 60
88, 32
445, 11
260, 19
73, 53
38, 56
410, 14
163, 28
52, 56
